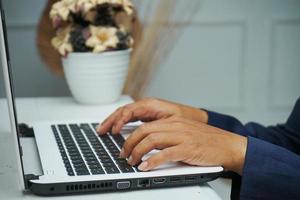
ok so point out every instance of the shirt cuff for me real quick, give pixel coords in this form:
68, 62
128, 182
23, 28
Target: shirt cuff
227, 123
265, 166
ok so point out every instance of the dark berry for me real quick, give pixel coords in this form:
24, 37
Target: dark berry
118, 9
78, 19
104, 16
78, 41
124, 39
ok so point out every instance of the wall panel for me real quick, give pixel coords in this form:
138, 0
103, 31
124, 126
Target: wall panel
285, 63
206, 65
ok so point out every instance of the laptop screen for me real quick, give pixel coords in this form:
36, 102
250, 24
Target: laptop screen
8, 83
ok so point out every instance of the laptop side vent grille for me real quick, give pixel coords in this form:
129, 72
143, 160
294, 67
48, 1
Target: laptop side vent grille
89, 187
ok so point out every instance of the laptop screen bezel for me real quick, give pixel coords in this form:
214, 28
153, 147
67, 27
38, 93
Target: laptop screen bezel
9, 88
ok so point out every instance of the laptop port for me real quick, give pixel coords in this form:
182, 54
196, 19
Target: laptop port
123, 185
175, 179
159, 180
142, 183
190, 178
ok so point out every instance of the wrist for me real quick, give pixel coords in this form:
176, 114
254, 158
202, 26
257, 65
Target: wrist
194, 114
238, 150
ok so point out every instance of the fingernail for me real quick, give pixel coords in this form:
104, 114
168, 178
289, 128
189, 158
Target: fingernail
122, 153
130, 160
143, 166
98, 128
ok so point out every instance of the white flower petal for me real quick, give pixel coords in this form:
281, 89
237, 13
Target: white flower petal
99, 48
111, 42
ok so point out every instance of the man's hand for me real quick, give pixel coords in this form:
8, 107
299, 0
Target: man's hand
148, 110
187, 141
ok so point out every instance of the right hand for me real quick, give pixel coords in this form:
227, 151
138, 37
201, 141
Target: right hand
149, 109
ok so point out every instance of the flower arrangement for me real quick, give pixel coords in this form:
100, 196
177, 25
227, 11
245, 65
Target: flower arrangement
90, 26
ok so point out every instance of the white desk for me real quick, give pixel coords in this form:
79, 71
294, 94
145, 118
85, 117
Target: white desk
33, 109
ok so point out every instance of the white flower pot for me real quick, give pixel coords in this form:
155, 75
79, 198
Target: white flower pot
96, 78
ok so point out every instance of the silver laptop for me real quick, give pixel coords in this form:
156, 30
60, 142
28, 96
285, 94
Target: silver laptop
69, 157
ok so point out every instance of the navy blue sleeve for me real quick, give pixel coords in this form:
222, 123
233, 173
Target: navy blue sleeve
272, 163
270, 172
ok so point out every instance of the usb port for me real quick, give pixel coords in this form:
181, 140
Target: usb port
175, 179
190, 178
159, 180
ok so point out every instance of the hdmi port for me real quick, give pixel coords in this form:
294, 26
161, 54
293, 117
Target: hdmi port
159, 180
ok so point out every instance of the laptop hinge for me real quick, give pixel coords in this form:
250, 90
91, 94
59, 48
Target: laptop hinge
25, 130
28, 178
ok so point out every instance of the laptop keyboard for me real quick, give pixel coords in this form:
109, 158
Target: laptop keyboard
85, 153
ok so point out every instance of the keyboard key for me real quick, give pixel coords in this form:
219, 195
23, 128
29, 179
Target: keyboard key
119, 140
71, 173
112, 170
95, 125
78, 162
92, 162
126, 168
80, 173
95, 166
109, 164
106, 160
97, 171
91, 158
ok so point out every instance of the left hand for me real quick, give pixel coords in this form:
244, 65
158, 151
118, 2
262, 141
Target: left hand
187, 141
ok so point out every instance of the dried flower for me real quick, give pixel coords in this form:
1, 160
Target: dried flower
90, 25
87, 5
62, 41
62, 9
127, 5
102, 38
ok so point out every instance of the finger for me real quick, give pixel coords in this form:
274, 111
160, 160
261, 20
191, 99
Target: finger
112, 121
106, 125
171, 154
122, 119
131, 113
153, 141
142, 131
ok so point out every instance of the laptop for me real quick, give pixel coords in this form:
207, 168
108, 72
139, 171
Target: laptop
58, 158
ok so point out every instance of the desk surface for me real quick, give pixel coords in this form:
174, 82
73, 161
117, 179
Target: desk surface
42, 109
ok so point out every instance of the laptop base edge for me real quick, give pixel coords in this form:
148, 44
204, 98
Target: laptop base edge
105, 186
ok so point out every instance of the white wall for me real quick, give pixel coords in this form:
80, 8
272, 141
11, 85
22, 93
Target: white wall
239, 56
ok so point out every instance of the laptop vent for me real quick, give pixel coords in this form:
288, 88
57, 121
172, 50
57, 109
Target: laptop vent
89, 187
